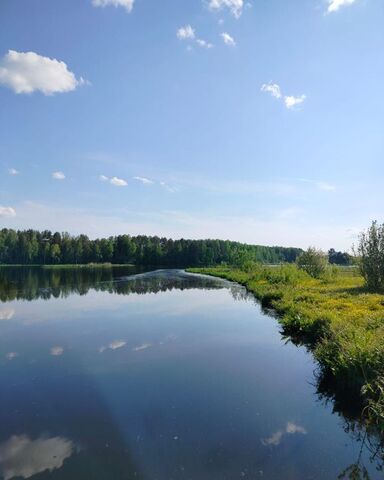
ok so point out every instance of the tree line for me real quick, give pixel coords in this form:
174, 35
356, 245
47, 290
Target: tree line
31, 247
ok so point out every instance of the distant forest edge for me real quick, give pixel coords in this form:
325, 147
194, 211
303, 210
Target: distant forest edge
31, 247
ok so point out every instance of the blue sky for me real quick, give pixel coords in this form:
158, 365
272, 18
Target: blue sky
257, 121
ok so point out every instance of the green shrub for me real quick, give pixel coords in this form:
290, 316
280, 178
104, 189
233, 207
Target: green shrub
313, 261
371, 254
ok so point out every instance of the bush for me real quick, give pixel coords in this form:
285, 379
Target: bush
371, 253
313, 261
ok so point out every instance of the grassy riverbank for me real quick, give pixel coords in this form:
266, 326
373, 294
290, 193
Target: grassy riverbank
335, 316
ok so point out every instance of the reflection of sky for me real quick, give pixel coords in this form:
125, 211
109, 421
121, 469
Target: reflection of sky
7, 313
56, 309
23, 457
57, 351
276, 437
193, 365
115, 345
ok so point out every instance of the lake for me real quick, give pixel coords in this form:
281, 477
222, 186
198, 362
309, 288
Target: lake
112, 374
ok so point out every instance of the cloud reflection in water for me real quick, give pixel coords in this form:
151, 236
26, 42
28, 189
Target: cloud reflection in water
22, 457
276, 437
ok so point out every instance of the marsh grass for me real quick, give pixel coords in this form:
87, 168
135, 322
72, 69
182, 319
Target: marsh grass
335, 316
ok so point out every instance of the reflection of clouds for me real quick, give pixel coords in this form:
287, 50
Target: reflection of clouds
142, 347
57, 351
7, 313
113, 345
276, 437
11, 355
22, 457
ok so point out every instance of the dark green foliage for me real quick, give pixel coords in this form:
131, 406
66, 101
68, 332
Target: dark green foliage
339, 258
32, 247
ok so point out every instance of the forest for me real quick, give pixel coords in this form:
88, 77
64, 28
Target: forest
31, 247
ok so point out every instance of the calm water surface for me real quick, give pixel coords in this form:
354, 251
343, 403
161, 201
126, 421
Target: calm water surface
159, 376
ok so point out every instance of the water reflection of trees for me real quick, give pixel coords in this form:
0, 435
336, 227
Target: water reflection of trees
347, 405
34, 283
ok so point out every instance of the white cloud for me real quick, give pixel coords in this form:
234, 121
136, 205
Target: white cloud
58, 176
272, 88
118, 182
203, 43
13, 171
127, 4
335, 5
22, 457
291, 101
57, 351
27, 72
234, 6
143, 180
7, 211
227, 39
186, 33
103, 178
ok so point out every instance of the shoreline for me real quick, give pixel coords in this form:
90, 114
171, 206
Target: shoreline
327, 317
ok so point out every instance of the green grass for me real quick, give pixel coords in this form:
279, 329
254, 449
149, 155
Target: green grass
335, 316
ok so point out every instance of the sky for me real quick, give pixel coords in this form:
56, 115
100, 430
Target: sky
260, 121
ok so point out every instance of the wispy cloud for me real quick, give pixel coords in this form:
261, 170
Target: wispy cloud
272, 88
13, 171
188, 33
115, 181
58, 175
319, 184
185, 33
144, 180
290, 101
167, 187
127, 4
118, 182
234, 6
27, 72
7, 211
227, 39
203, 43
264, 227
335, 5
325, 186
